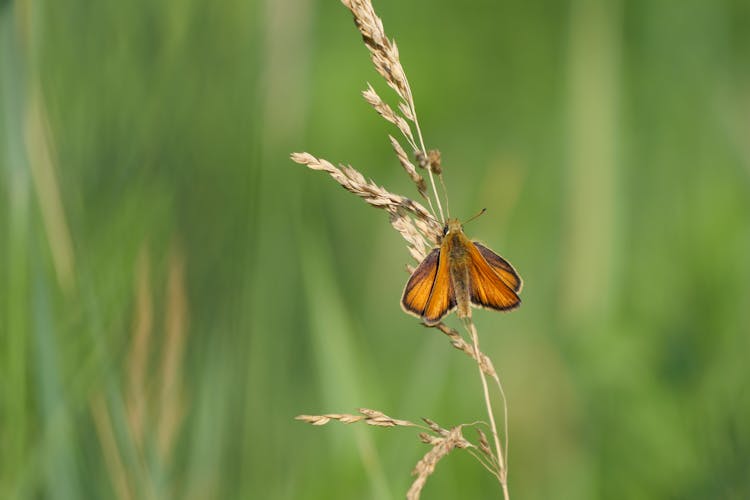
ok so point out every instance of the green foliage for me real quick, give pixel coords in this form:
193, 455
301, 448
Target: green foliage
146, 196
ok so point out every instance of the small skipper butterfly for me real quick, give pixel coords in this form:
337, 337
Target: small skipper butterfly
458, 274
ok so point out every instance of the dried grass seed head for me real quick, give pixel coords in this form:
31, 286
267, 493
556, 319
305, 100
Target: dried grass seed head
412, 220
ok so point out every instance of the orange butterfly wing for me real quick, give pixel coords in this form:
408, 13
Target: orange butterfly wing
418, 288
488, 286
428, 293
501, 266
442, 299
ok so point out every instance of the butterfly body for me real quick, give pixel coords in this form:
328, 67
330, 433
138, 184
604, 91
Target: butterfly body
459, 260
458, 274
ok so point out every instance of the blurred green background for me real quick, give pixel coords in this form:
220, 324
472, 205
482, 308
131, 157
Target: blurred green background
174, 290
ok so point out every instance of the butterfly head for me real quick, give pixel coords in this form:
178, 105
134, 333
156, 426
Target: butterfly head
452, 226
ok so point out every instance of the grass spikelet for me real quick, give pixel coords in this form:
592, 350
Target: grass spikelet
442, 446
409, 167
370, 417
387, 112
418, 228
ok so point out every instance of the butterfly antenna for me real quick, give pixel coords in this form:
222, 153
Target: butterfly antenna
481, 212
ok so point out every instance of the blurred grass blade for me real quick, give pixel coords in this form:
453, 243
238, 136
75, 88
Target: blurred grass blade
16, 416
59, 458
339, 364
40, 151
593, 105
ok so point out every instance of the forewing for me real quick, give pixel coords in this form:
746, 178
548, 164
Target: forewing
501, 266
488, 288
442, 300
418, 288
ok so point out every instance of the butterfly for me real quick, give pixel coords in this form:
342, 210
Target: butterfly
458, 274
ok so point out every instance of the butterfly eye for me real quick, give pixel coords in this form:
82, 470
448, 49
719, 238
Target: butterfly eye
445, 229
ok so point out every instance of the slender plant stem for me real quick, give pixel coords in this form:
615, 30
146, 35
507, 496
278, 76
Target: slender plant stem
424, 151
505, 417
502, 472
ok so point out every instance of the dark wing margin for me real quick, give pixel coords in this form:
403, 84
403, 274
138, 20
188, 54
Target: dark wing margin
501, 266
418, 288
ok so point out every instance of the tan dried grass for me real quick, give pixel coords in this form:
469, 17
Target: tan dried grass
153, 408
422, 230
386, 59
441, 440
409, 218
